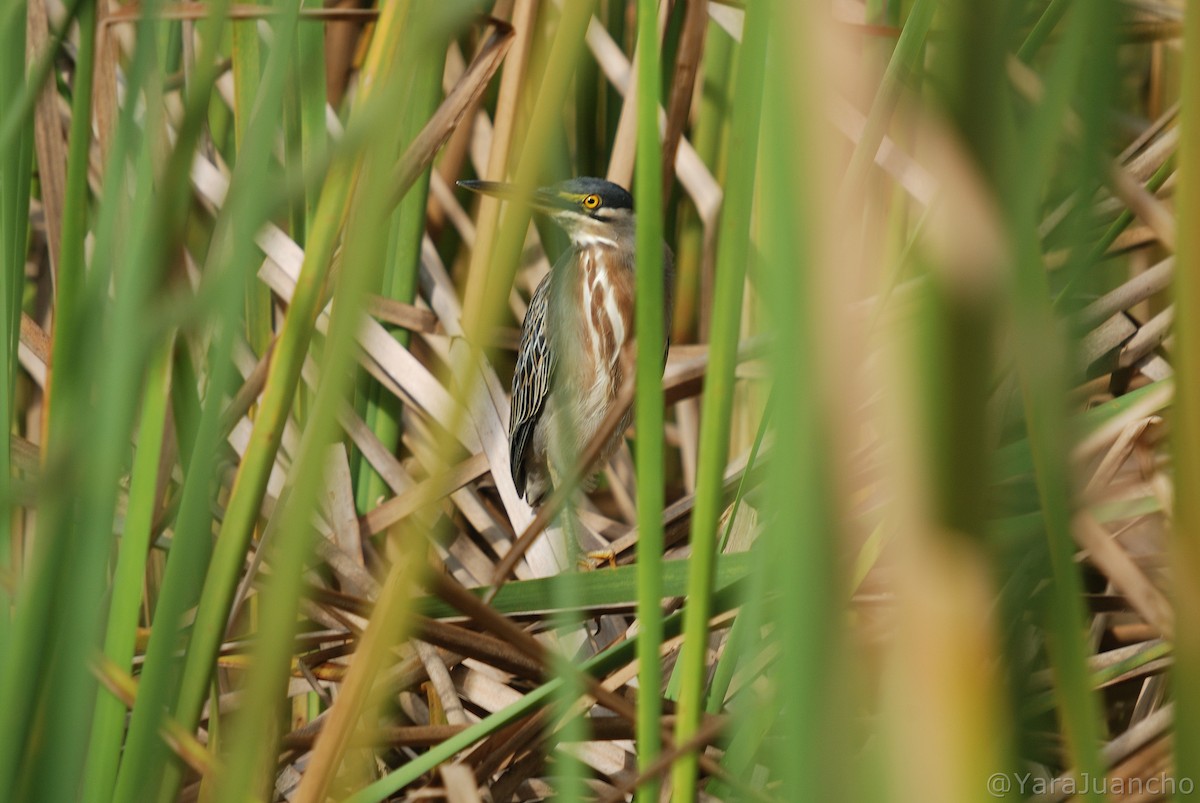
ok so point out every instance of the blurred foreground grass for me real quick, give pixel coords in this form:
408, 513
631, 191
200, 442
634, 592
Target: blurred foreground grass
914, 516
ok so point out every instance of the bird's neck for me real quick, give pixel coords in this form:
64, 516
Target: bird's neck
591, 239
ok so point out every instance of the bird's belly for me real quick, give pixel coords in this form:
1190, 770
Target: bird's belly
592, 406
581, 407
577, 406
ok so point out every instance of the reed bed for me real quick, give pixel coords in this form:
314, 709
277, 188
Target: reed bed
911, 514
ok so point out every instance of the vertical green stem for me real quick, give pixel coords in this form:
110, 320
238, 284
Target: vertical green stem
46, 583
75, 208
108, 725
403, 254
803, 537
310, 42
651, 325
247, 67
564, 592
732, 255
144, 752
26, 624
1041, 369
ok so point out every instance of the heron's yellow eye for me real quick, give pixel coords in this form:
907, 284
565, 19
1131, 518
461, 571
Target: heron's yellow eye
591, 202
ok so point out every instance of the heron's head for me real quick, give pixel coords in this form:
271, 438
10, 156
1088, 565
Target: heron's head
591, 210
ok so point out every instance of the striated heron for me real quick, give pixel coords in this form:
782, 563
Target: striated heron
569, 371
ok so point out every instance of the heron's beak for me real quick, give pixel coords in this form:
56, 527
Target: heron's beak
543, 200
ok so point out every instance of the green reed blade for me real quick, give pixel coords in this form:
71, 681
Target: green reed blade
1043, 391
247, 70
402, 262
802, 543
652, 321
108, 724
733, 252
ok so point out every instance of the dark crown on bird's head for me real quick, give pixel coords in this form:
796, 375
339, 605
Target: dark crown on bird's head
594, 193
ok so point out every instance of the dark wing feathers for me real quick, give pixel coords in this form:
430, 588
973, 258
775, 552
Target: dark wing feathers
531, 382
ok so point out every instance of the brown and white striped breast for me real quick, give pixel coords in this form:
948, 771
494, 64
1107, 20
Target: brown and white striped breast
606, 302
590, 343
